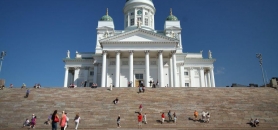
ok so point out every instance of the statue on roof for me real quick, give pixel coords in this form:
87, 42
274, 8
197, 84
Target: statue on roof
210, 54
68, 54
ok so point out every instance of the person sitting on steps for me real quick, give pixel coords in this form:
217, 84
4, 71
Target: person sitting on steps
256, 122
116, 101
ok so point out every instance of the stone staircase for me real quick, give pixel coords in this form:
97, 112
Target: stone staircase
230, 108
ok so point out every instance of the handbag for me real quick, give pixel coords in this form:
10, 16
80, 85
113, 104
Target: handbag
56, 119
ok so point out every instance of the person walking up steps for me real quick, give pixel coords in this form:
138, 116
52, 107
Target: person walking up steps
67, 121
63, 120
162, 118
170, 116
175, 117
195, 115
141, 107
55, 119
77, 120
140, 121
118, 121
145, 118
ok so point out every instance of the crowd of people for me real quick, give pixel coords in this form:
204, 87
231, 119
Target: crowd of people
63, 121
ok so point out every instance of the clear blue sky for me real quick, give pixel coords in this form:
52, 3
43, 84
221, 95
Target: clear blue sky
37, 33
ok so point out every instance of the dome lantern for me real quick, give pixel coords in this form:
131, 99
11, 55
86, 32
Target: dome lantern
106, 17
171, 17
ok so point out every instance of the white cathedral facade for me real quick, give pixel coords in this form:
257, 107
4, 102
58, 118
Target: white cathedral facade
139, 54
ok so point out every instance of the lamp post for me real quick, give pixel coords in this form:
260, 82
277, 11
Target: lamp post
260, 57
3, 53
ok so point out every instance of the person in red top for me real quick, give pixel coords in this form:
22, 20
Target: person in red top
162, 117
140, 107
63, 120
140, 118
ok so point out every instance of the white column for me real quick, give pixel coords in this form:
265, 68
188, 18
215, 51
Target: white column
86, 74
209, 81
212, 77
206, 79
171, 72
182, 83
175, 84
147, 66
202, 77
103, 76
76, 76
161, 77
192, 74
66, 77
95, 72
117, 72
131, 68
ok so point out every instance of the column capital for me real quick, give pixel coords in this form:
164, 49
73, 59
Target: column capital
201, 68
173, 52
66, 68
147, 51
104, 52
191, 68
131, 51
118, 51
160, 51
77, 68
211, 68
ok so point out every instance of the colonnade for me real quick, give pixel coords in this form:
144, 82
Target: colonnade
131, 75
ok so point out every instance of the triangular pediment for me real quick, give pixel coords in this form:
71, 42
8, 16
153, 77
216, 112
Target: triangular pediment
139, 35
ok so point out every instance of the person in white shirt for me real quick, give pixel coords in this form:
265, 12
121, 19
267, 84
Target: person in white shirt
67, 120
77, 120
207, 116
203, 116
256, 122
26, 122
145, 118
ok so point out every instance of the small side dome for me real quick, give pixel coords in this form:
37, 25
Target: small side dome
171, 17
106, 17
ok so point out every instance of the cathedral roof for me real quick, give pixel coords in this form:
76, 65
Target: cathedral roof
106, 17
171, 17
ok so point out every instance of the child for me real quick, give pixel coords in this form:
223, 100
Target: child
26, 123
145, 118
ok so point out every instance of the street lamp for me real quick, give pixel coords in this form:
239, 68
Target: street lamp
3, 53
260, 57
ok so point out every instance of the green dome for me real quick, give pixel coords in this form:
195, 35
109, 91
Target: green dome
171, 17
106, 17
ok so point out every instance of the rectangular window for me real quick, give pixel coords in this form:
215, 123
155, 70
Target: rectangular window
139, 19
126, 23
132, 13
146, 22
91, 73
139, 76
131, 22
186, 73
186, 84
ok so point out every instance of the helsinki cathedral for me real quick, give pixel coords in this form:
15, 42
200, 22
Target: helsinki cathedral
139, 54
